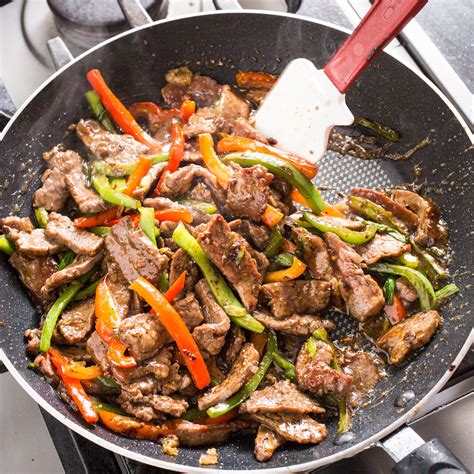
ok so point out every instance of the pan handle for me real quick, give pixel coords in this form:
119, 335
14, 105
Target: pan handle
59, 52
7, 109
134, 12
412, 454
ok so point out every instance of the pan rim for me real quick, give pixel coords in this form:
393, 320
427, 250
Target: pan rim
350, 451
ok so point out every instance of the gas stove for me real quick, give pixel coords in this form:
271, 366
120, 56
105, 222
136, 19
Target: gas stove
436, 44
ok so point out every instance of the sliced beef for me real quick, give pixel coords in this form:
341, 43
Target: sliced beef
258, 235
192, 153
190, 311
62, 229
87, 199
148, 180
34, 272
119, 287
134, 253
298, 296
233, 345
210, 336
405, 290
118, 151
247, 192
97, 349
266, 443
205, 120
365, 375
45, 367
408, 335
282, 396
315, 374
35, 243
315, 253
381, 246
429, 231
199, 217
78, 267
200, 192
33, 337
182, 262
204, 91
298, 428
244, 368
296, 324
173, 94
232, 109
363, 296
77, 322
22, 224
162, 403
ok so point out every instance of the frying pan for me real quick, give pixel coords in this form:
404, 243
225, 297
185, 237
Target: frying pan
219, 44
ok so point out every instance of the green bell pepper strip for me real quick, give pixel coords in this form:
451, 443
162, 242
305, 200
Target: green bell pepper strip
219, 287
283, 170
156, 231
101, 167
408, 259
345, 416
118, 184
245, 392
42, 216
147, 222
284, 364
106, 382
194, 414
87, 291
429, 263
347, 235
389, 289
66, 260
447, 291
6, 246
99, 111
421, 284
98, 406
101, 230
382, 130
274, 244
102, 186
207, 207
383, 229
164, 283
283, 260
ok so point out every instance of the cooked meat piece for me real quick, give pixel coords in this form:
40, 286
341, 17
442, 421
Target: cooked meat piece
148, 180
34, 272
182, 262
408, 335
199, 217
315, 253
87, 199
315, 373
144, 335
78, 267
36, 243
256, 96
365, 376
429, 231
119, 287
173, 94
77, 322
33, 337
138, 409
119, 151
266, 443
280, 196
78, 353
244, 368
232, 108
229, 252
204, 91
200, 192
45, 367
62, 229
363, 296
282, 396
205, 120
247, 192
23, 224
210, 336
164, 404
405, 290
190, 311
404, 216
298, 296
192, 154
235, 340
296, 324
97, 389
341, 222
381, 246
258, 235
97, 349
134, 253
298, 428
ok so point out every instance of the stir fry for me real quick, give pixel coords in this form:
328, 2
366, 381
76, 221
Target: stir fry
185, 269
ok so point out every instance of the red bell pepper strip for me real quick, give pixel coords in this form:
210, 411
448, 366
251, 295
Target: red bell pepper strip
174, 215
177, 329
174, 289
122, 117
188, 107
99, 219
211, 160
255, 80
272, 216
220, 419
396, 311
74, 388
152, 113
138, 173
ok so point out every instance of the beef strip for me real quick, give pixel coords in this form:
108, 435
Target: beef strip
148, 181
45, 367
314, 373
205, 120
162, 403
118, 286
296, 324
365, 375
204, 91
87, 199
134, 253
97, 349
78, 267
315, 253
405, 290
190, 310
266, 443
233, 110
235, 340
182, 262
34, 272
62, 229
22, 224
298, 428
200, 192
229, 252
363, 296
77, 322
298, 296
199, 217
408, 335
381, 246
210, 336
244, 368
282, 396
258, 235
173, 94
33, 337
35, 243
247, 192
118, 151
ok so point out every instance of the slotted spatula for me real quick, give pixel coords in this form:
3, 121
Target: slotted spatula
306, 102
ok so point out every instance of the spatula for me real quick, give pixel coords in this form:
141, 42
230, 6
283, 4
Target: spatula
306, 102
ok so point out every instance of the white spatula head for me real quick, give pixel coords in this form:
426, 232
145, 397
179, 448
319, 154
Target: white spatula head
301, 109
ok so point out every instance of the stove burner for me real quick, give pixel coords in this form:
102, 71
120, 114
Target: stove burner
84, 23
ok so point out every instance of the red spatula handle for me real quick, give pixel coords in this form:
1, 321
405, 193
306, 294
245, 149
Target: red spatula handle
385, 19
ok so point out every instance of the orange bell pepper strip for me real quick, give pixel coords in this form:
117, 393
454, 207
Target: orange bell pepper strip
291, 273
174, 215
122, 117
177, 329
223, 418
138, 173
188, 107
255, 80
99, 219
78, 370
74, 388
272, 216
211, 160
396, 311
328, 210
259, 341
241, 144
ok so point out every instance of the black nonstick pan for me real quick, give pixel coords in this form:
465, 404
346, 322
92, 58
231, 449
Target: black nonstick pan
219, 44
